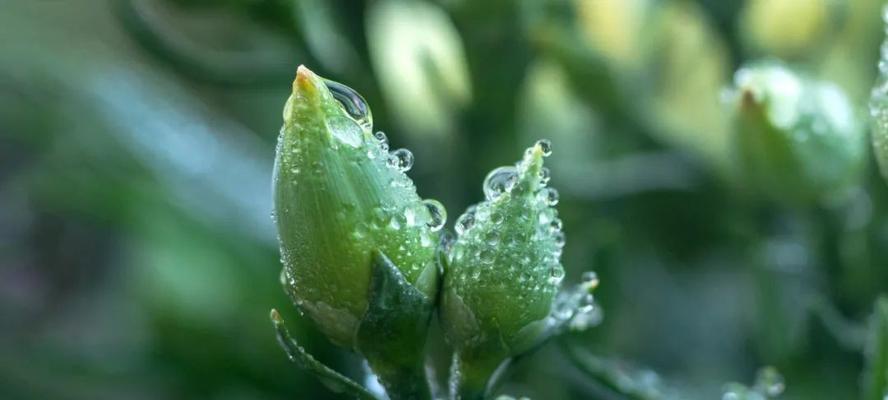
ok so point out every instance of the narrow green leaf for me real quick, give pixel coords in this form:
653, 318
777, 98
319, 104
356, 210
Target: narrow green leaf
876, 378
333, 380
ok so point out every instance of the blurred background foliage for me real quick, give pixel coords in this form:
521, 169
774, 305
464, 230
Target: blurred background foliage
138, 259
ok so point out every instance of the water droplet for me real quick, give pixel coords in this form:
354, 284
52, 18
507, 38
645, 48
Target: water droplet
769, 381
545, 175
499, 181
465, 221
546, 147
492, 238
587, 303
731, 395
352, 102
556, 274
437, 214
555, 225
559, 239
379, 217
589, 281
486, 256
409, 216
549, 196
381, 138
401, 159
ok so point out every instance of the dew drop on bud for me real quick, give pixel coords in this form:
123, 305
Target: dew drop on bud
381, 137
549, 196
499, 181
465, 221
437, 214
410, 216
589, 281
559, 239
352, 102
555, 225
486, 255
401, 159
770, 382
546, 147
545, 175
556, 275
587, 303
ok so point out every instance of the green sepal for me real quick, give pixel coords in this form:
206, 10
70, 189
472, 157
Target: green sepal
876, 379
333, 380
392, 333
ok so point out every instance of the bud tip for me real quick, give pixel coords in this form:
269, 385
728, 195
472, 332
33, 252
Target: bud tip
304, 79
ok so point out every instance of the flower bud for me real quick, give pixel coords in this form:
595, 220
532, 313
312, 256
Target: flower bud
342, 202
796, 139
879, 106
503, 270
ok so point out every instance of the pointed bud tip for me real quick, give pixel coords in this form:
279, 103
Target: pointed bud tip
305, 79
533, 157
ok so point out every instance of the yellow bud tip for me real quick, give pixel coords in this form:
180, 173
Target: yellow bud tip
305, 79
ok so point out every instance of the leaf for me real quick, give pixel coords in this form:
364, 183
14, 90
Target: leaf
876, 378
333, 380
392, 333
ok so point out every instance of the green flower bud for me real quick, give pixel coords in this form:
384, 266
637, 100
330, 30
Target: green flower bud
342, 203
879, 107
796, 139
503, 271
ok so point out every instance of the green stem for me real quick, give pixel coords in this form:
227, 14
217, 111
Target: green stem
608, 375
405, 383
470, 376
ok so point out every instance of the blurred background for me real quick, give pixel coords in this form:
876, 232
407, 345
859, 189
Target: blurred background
138, 259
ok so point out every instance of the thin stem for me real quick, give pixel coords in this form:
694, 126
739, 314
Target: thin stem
608, 375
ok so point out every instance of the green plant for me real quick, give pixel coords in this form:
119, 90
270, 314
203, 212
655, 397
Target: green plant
367, 260
797, 139
363, 254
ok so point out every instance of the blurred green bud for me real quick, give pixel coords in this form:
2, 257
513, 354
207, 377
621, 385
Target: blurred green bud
879, 108
786, 28
614, 29
797, 140
502, 271
355, 238
418, 56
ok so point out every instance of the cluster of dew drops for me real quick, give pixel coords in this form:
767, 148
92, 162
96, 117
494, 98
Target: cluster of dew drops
400, 160
769, 384
878, 106
503, 180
